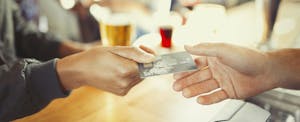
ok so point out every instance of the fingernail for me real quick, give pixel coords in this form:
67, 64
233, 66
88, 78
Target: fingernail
188, 46
200, 100
186, 93
177, 87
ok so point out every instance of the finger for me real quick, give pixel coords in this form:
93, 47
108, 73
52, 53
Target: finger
210, 49
147, 49
228, 54
181, 75
215, 97
201, 62
133, 53
198, 76
200, 88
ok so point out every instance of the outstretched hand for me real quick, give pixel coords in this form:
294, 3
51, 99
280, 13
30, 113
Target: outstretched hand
225, 72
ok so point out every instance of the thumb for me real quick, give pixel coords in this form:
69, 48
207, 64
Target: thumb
224, 52
134, 53
240, 58
207, 49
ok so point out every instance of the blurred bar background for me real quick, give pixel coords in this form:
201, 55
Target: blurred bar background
262, 24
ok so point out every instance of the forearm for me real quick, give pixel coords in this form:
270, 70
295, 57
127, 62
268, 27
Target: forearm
285, 67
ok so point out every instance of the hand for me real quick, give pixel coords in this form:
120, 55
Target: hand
112, 69
231, 72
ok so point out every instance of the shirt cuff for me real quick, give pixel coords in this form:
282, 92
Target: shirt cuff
44, 82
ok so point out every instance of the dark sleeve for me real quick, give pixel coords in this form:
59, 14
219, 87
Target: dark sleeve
31, 43
27, 87
238, 2
227, 3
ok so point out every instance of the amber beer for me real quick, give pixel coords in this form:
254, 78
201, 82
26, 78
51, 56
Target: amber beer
116, 32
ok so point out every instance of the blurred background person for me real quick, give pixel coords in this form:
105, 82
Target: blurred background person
89, 27
226, 3
49, 16
64, 19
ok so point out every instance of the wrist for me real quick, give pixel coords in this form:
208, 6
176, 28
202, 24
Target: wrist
272, 74
286, 67
68, 75
276, 70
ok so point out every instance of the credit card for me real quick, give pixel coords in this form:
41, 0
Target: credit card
166, 64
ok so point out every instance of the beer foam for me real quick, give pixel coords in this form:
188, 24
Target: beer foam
118, 19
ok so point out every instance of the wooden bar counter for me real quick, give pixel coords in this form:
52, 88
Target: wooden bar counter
153, 100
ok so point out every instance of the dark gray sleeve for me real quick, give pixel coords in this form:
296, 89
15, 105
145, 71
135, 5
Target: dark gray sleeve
226, 3
27, 87
30, 42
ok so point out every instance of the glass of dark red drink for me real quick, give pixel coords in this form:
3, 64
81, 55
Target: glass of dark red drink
166, 36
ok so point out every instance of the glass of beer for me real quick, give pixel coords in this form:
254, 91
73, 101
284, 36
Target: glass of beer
116, 30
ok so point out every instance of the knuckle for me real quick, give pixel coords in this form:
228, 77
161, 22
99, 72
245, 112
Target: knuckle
124, 72
122, 92
135, 48
124, 84
137, 51
190, 80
